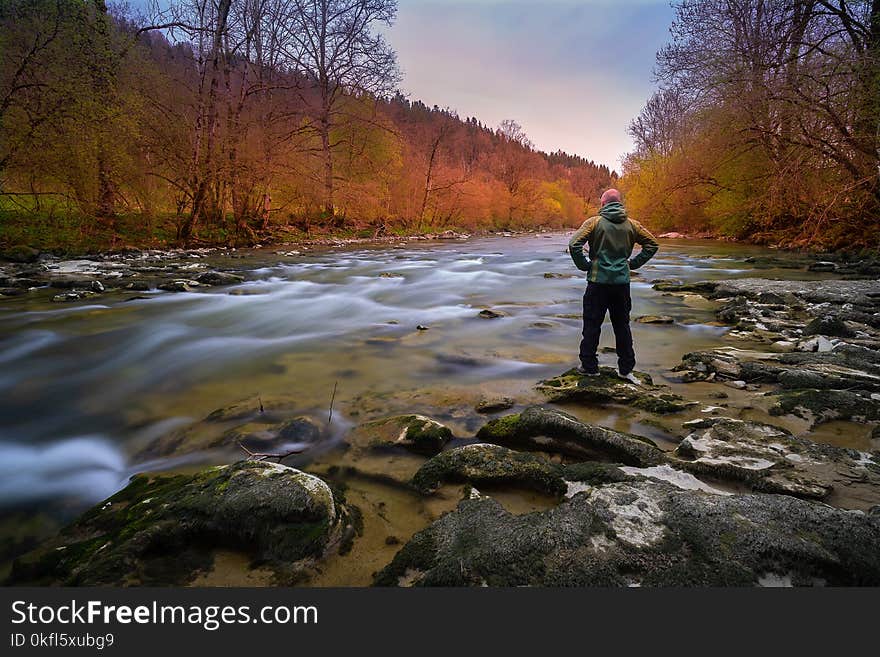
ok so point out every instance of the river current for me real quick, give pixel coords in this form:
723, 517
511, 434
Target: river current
85, 386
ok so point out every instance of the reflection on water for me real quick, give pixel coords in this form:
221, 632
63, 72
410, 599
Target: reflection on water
83, 386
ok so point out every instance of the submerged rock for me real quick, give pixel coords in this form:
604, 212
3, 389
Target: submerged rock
270, 424
219, 278
163, 530
542, 429
300, 432
608, 388
73, 295
494, 405
655, 319
178, 286
643, 533
490, 465
492, 314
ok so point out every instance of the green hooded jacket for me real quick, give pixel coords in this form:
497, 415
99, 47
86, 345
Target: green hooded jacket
611, 237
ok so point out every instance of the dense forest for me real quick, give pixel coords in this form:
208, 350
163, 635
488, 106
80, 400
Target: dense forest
766, 124
227, 120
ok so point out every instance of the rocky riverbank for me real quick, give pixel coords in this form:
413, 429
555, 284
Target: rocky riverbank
24, 269
738, 493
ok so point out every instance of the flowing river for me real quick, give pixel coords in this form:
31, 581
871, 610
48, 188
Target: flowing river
85, 387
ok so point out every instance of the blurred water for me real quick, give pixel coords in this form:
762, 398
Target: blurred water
83, 385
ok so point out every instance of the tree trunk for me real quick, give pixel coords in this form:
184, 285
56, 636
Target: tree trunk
103, 68
327, 152
202, 166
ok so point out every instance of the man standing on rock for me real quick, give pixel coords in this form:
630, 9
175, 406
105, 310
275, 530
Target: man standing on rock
611, 236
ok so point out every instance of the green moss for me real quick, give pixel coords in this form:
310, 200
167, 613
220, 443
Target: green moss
500, 429
490, 465
427, 437
164, 529
826, 405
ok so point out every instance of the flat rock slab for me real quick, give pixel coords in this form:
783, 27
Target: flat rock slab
608, 388
842, 383
643, 533
163, 530
822, 291
770, 459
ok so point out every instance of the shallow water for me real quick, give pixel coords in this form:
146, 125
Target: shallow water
85, 386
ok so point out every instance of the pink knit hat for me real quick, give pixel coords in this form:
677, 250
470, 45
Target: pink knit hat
610, 196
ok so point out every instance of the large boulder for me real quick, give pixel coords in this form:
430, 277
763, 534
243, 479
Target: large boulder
542, 429
607, 388
643, 533
164, 530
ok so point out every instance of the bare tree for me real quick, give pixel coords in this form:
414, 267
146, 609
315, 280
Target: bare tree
334, 45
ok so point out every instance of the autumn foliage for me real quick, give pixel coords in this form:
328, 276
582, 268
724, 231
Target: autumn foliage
766, 125
237, 118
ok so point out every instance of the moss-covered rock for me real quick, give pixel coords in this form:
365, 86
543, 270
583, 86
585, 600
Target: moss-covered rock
643, 533
416, 433
608, 388
823, 405
543, 429
490, 465
491, 405
163, 530
829, 325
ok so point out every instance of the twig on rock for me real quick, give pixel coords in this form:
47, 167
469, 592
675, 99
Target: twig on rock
255, 456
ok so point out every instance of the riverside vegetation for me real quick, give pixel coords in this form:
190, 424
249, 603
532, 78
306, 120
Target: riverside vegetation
752, 461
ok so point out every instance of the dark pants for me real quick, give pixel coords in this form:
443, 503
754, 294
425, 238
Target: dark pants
614, 299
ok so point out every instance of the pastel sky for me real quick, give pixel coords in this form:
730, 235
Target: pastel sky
573, 73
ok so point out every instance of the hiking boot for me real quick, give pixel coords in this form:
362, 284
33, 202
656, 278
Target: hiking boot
628, 377
582, 372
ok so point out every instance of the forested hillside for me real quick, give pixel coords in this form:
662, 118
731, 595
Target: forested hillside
766, 124
226, 121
